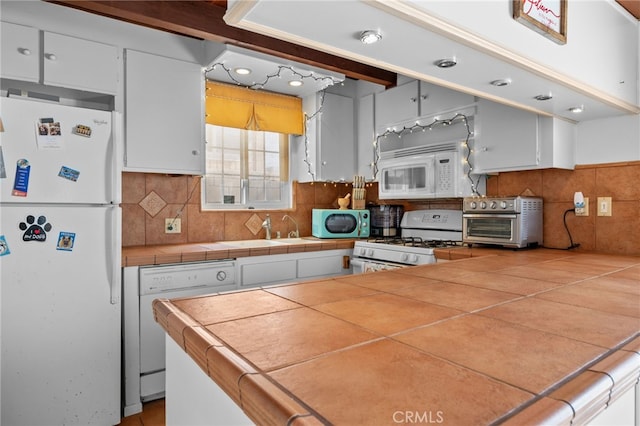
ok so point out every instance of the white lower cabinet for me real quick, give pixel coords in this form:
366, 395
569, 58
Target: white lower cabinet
258, 271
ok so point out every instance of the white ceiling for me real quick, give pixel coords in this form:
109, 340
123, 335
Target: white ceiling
334, 27
269, 73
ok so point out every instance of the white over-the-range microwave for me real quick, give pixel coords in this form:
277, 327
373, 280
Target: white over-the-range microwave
435, 171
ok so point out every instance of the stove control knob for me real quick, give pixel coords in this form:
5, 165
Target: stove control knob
503, 204
494, 204
404, 257
413, 258
474, 205
483, 204
370, 252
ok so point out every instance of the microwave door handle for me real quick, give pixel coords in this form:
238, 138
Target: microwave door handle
359, 223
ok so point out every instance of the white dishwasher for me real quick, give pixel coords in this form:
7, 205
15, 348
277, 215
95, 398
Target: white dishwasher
170, 282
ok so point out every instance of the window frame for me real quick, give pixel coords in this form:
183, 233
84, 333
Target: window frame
286, 185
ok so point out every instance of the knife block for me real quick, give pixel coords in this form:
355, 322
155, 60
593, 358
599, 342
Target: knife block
358, 204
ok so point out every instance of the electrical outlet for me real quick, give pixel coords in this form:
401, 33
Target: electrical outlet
604, 206
172, 226
583, 211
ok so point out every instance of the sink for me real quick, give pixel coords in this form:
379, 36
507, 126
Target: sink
251, 243
296, 241
267, 243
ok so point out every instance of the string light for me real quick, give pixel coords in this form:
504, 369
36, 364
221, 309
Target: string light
328, 81
422, 127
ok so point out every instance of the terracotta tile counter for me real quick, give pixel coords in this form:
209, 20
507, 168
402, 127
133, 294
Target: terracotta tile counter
522, 337
179, 253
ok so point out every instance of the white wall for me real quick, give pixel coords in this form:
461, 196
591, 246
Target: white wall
609, 140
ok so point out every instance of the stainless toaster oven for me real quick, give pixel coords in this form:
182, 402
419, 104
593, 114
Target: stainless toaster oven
506, 221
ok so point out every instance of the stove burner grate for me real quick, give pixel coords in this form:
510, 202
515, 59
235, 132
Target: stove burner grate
415, 242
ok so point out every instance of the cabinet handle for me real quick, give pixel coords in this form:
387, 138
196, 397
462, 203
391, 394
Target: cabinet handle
50, 56
24, 51
414, 99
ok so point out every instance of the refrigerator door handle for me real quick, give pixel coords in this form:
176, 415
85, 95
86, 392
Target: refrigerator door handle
113, 241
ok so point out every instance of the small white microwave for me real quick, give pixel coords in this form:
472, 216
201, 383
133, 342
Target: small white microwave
413, 174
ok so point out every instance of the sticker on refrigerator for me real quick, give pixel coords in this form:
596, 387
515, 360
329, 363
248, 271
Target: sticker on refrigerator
68, 173
35, 231
4, 247
82, 130
49, 134
21, 181
3, 171
66, 241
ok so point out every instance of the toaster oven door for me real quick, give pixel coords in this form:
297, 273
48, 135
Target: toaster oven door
500, 229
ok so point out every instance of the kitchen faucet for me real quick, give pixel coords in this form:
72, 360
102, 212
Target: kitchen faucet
267, 226
292, 234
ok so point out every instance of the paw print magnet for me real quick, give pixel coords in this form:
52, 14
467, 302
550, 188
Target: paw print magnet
35, 231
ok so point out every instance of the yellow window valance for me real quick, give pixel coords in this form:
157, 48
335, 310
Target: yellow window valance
239, 107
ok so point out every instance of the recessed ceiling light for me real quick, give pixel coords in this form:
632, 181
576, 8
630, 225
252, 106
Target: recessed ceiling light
295, 83
576, 109
370, 36
502, 82
446, 63
543, 97
242, 71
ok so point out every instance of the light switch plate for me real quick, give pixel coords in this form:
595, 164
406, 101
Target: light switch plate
604, 206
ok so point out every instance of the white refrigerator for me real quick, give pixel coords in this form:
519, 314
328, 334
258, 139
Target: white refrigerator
60, 235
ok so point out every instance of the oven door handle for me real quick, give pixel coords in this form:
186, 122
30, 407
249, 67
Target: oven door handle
489, 215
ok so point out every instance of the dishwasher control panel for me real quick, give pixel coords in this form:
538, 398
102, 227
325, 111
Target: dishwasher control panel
160, 279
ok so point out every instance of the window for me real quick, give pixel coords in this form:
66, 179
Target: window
246, 169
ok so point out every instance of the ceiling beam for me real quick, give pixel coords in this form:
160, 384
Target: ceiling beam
204, 20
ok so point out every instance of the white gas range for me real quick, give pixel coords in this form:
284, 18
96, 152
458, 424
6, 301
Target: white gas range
421, 231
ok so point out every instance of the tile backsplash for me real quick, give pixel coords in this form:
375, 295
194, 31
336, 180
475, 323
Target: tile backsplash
148, 199
616, 234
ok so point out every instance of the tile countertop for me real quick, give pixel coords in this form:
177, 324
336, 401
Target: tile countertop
197, 252
522, 337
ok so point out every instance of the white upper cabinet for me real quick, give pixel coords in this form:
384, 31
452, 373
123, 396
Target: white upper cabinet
20, 52
61, 60
336, 139
435, 99
80, 64
396, 105
510, 139
164, 115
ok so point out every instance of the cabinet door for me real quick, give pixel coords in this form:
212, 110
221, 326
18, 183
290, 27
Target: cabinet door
164, 113
321, 266
506, 139
80, 64
20, 52
268, 270
436, 99
366, 137
396, 105
336, 139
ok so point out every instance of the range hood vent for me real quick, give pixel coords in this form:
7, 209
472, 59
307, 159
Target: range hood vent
419, 150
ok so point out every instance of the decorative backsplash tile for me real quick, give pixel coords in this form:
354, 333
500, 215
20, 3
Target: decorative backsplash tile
152, 203
254, 224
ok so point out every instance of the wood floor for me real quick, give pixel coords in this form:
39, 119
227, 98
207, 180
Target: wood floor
152, 415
